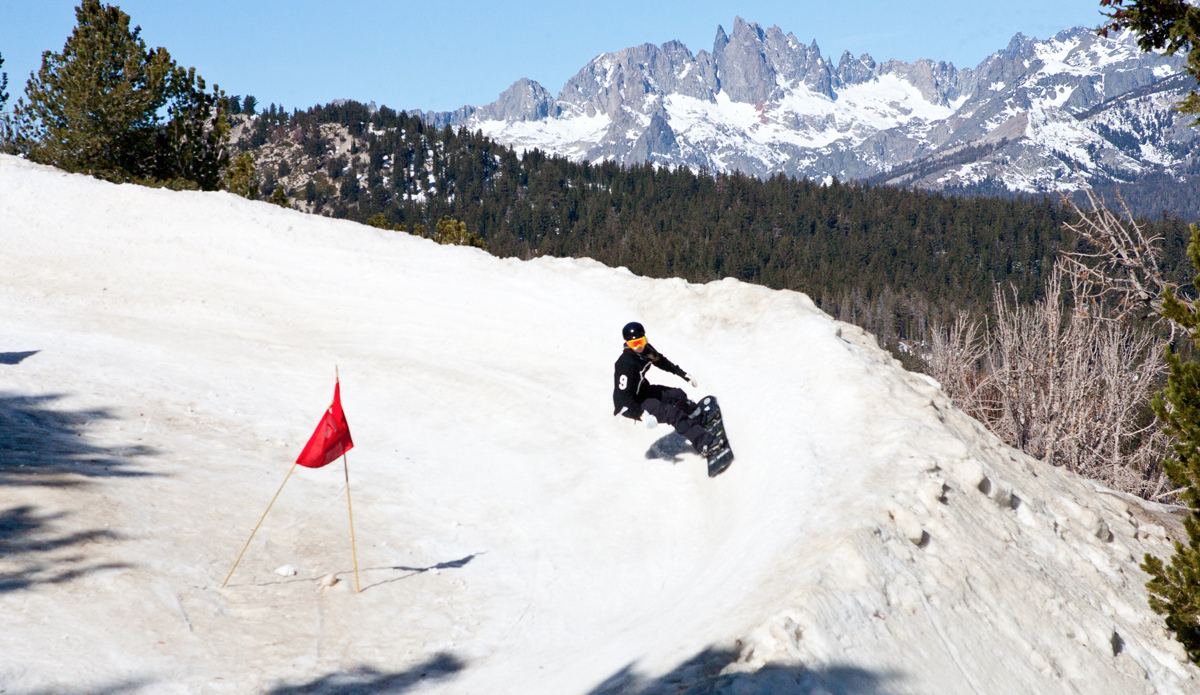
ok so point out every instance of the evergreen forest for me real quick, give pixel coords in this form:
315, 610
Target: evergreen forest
887, 258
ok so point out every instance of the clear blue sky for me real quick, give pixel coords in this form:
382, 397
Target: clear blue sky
443, 54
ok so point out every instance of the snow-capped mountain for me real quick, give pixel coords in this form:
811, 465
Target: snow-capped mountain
1036, 115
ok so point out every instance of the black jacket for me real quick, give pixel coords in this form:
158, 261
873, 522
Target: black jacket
629, 378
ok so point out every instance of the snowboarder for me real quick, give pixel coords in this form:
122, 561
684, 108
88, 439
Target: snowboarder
637, 399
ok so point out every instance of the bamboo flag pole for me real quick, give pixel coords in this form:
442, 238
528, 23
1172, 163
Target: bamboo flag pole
349, 508
264, 516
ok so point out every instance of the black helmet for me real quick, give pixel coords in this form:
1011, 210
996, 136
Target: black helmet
632, 330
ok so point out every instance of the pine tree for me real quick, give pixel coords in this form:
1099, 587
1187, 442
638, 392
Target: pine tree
249, 105
380, 220
95, 108
279, 197
1175, 588
6, 133
453, 232
240, 178
193, 144
3, 84
1173, 25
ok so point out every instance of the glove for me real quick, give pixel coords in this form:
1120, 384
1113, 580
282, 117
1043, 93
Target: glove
650, 420
691, 380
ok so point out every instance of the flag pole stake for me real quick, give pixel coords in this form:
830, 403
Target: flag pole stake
349, 508
264, 516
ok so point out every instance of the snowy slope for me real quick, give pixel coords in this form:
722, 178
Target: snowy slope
512, 535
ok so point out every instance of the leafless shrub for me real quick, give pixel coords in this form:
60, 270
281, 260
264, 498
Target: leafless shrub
956, 359
1065, 384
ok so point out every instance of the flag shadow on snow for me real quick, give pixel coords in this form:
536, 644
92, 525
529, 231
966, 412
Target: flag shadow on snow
40, 445
412, 571
700, 675
669, 448
365, 680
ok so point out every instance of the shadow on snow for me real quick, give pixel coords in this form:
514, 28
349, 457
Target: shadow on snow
669, 448
16, 357
114, 689
701, 675
31, 556
45, 447
412, 571
365, 680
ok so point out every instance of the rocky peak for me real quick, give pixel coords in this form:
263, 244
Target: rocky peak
632, 77
525, 100
756, 65
1082, 34
1020, 46
679, 72
720, 42
745, 74
818, 72
855, 71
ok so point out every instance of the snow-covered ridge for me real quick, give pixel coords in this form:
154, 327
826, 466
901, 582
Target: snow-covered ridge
167, 354
764, 103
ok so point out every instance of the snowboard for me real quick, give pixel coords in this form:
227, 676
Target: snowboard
719, 453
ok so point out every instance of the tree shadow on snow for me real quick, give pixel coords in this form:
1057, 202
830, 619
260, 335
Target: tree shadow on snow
16, 357
43, 446
701, 675
114, 689
47, 447
365, 680
669, 448
31, 556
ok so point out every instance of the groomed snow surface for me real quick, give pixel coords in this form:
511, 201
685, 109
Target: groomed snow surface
164, 356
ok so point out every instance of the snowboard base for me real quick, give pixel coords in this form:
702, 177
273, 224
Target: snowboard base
720, 455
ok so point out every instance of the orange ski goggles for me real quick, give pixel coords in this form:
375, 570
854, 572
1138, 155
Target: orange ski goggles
636, 342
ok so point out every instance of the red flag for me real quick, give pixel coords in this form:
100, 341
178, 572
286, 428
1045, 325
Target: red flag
331, 438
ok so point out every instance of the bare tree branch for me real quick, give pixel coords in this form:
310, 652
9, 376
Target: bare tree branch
1118, 261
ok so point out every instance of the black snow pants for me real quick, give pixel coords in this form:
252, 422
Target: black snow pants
672, 406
